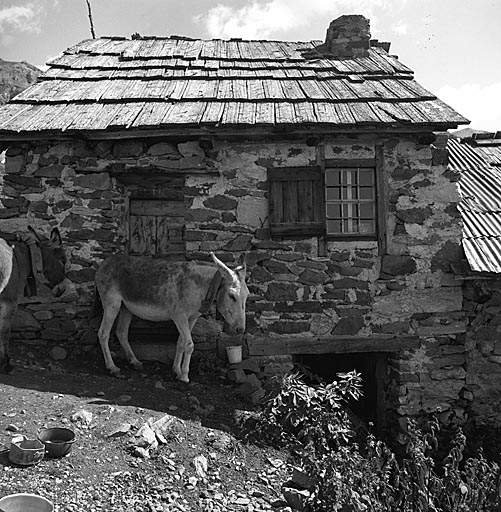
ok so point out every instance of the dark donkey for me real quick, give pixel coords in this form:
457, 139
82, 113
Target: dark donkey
32, 257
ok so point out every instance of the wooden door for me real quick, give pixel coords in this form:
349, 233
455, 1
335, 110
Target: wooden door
156, 228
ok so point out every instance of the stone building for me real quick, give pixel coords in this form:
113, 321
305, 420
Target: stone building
477, 159
318, 159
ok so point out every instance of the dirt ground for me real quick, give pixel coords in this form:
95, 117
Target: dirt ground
104, 472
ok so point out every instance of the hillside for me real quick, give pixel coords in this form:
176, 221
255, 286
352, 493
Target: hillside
15, 77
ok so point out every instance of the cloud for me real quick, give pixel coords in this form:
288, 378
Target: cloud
19, 18
400, 28
265, 19
475, 102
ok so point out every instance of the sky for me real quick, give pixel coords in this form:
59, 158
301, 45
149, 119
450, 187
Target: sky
453, 46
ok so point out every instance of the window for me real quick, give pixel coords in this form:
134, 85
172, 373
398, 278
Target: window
350, 201
295, 199
339, 201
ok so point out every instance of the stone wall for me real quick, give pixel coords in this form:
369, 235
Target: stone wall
355, 290
483, 365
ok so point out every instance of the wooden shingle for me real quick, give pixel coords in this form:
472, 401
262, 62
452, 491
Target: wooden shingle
116, 83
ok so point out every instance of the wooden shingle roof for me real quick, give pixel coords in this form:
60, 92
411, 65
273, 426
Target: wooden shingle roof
150, 83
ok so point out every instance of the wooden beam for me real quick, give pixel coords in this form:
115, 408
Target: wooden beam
264, 133
332, 345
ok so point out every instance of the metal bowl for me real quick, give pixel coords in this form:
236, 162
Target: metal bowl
58, 441
26, 452
25, 503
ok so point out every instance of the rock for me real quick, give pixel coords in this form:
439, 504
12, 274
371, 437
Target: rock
162, 425
122, 430
191, 148
236, 375
398, 264
159, 385
278, 503
296, 499
124, 398
145, 437
250, 365
83, 417
58, 353
222, 442
98, 181
162, 148
251, 384
127, 148
12, 428
256, 396
301, 479
201, 466
142, 453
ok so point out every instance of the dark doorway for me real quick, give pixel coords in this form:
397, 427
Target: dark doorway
372, 367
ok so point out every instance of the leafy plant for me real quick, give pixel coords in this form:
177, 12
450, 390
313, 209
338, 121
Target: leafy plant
351, 477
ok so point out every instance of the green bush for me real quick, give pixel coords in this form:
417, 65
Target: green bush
365, 476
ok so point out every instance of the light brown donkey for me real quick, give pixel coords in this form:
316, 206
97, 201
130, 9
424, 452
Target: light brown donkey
159, 290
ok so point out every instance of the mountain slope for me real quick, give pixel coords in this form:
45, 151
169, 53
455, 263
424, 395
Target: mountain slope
15, 77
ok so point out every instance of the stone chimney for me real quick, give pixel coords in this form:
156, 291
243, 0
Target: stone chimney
348, 36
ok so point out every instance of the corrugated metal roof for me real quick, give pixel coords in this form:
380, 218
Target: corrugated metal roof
116, 83
480, 206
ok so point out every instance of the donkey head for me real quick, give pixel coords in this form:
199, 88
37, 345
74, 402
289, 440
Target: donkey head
232, 294
54, 261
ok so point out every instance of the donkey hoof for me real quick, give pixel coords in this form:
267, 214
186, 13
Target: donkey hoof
116, 374
137, 365
183, 378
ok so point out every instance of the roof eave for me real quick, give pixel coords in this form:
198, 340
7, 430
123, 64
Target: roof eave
235, 131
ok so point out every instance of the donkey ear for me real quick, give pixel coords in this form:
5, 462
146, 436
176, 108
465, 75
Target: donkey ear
55, 237
32, 236
226, 271
242, 266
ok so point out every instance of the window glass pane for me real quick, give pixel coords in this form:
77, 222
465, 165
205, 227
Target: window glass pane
366, 210
366, 177
350, 226
333, 193
367, 227
351, 201
366, 193
333, 211
332, 177
333, 226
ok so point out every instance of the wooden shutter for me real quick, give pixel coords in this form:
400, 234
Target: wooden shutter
296, 201
157, 228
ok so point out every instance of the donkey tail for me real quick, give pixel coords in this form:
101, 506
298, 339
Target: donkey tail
89, 337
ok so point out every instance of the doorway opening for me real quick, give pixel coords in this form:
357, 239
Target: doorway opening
370, 408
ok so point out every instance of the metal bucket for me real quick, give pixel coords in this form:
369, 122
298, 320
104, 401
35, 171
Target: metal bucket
25, 503
26, 452
58, 441
234, 354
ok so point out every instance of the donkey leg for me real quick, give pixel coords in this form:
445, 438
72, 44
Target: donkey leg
123, 324
184, 348
111, 310
6, 314
176, 365
188, 351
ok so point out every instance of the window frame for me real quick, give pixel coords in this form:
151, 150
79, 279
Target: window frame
365, 163
380, 200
